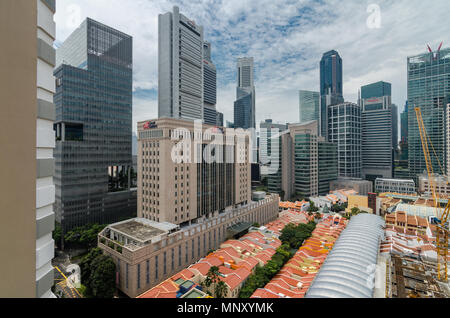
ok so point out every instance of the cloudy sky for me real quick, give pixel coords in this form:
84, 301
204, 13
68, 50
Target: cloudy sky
287, 39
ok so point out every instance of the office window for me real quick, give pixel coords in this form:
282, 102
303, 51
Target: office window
126, 277
173, 259
139, 276
165, 263
156, 267
148, 272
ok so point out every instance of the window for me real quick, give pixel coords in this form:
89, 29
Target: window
173, 259
139, 276
148, 272
156, 267
126, 277
164, 266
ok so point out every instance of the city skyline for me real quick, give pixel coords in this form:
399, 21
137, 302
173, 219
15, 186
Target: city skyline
287, 56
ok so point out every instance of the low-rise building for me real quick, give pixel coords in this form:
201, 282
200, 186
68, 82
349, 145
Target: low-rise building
361, 186
297, 275
395, 185
441, 183
148, 252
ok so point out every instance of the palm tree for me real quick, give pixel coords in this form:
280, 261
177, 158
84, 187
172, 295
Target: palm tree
221, 290
212, 278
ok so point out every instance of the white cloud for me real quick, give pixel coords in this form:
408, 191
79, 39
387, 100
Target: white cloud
287, 48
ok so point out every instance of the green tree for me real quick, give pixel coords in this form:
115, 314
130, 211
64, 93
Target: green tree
312, 207
212, 278
355, 211
103, 277
221, 290
84, 236
57, 234
86, 265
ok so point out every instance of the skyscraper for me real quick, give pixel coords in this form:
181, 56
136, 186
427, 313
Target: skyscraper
428, 88
378, 127
307, 163
404, 124
210, 114
180, 67
309, 106
345, 131
27, 113
244, 107
94, 127
331, 86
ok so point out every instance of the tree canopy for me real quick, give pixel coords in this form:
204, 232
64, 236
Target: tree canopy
83, 237
98, 274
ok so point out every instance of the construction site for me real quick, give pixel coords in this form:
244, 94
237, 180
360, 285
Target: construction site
417, 259
412, 278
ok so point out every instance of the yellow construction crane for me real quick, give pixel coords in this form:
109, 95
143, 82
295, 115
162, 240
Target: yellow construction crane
442, 228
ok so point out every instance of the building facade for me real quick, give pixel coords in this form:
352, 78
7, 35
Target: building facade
180, 67
210, 114
362, 187
331, 87
94, 127
307, 163
197, 184
344, 129
441, 185
267, 158
244, 107
27, 114
395, 185
378, 126
309, 106
428, 88
146, 253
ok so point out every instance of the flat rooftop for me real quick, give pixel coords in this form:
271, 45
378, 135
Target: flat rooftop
142, 229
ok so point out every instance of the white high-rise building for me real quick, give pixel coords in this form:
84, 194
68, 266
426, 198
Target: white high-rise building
180, 62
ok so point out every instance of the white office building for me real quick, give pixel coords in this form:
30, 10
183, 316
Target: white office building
180, 62
395, 186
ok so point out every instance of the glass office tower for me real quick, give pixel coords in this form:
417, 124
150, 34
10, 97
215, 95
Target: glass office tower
331, 87
309, 106
345, 131
428, 88
379, 131
244, 107
93, 174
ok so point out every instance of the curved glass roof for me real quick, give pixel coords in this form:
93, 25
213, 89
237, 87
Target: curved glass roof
348, 269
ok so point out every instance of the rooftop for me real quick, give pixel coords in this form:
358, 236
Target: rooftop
142, 229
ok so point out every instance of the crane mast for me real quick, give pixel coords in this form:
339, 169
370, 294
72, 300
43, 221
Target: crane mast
442, 228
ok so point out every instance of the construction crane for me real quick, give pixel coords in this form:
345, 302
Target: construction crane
442, 227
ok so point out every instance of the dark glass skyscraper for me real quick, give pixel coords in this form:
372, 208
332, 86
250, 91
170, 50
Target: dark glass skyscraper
93, 175
331, 87
244, 107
